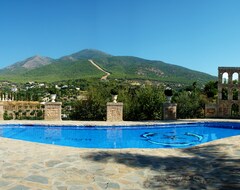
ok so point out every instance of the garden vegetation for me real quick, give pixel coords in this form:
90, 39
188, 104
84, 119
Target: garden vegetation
86, 99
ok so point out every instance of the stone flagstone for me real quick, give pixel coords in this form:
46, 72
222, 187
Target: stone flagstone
32, 166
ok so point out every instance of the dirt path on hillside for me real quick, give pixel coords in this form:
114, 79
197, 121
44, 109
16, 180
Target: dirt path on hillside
99, 68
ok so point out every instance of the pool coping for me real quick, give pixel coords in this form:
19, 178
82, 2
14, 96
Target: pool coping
111, 124
123, 125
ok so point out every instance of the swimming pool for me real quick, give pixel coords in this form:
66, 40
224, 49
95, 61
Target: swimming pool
153, 136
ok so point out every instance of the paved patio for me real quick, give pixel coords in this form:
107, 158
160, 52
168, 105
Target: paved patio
33, 166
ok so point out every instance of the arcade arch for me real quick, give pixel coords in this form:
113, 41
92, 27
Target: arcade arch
225, 78
235, 78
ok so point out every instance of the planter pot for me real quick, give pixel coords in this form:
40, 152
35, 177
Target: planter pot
169, 98
114, 98
53, 97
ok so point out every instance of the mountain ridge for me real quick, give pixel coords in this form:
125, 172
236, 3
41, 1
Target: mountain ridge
31, 62
85, 54
77, 66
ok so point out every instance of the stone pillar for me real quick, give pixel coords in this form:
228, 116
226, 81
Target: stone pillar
114, 111
219, 92
230, 94
230, 77
169, 111
1, 111
53, 111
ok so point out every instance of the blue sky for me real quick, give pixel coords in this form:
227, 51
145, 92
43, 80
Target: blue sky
197, 34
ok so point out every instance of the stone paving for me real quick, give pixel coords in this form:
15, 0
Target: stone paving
32, 166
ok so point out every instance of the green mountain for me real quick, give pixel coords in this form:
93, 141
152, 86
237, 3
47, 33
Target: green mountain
78, 66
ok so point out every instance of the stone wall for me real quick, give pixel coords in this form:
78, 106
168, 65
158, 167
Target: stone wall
211, 110
1, 111
21, 110
29, 110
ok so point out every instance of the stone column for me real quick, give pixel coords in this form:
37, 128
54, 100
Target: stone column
114, 111
230, 75
1, 111
219, 92
169, 111
230, 94
53, 111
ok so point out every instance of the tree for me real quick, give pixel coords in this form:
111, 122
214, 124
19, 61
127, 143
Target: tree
211, 89
94, 108
189, 104
140, 103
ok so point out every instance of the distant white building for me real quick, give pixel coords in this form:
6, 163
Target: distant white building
31, 82
14, 89
57, 87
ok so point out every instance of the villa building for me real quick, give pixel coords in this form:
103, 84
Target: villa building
228, 102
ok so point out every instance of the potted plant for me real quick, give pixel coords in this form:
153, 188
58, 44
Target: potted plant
114, 93
168, 93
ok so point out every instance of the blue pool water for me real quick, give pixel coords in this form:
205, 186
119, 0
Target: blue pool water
159, 136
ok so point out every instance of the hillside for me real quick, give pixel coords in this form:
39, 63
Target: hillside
77, 66
137, 68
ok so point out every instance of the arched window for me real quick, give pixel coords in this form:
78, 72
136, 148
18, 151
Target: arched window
235, 78
235, 94
224, 94
225, 78
235, 110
